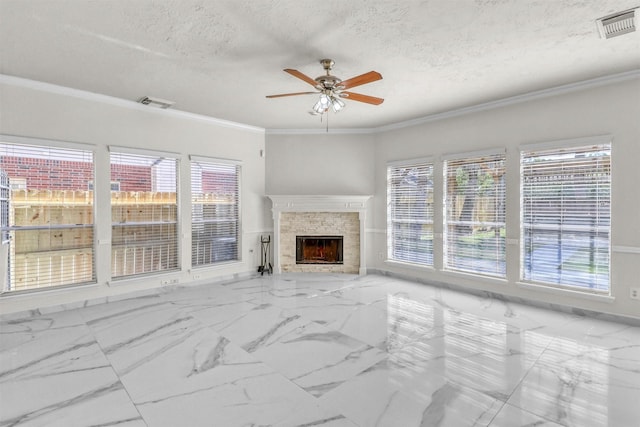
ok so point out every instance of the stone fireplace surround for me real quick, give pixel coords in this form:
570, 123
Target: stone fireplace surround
319, 215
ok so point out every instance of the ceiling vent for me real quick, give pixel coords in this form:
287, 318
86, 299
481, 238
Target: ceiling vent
618, 23
156, 102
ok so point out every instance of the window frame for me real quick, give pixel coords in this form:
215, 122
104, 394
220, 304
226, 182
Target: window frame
564, 147
427, 259
128, 151
217, 162
496, 154
48, 144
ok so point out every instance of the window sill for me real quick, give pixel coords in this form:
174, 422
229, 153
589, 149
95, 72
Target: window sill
476, 277
566, 292
216, 266
417, 267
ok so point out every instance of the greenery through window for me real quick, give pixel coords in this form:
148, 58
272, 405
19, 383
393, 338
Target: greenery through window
410, 213
475, 215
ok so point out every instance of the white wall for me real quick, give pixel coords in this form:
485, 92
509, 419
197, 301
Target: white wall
26, 111
613, 109
344, 164
320, 164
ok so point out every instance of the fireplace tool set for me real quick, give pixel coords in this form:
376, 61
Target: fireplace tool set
265, 249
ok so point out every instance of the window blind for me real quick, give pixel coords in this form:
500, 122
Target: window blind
215, 209
144, 214
410, 213
566, 216
47, 216
475, 215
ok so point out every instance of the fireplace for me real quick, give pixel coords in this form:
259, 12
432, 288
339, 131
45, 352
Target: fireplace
319, 250
319, 216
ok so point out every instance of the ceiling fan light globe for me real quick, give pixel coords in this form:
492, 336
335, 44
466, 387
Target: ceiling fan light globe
318, 107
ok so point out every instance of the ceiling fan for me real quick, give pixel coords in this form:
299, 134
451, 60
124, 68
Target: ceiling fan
332, 89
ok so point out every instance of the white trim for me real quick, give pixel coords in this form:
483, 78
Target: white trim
218, 160
376, 230
23, 140
263, 231
409, 265
476, 277
571, 293
142, 151
410, 162
626, 249
475, 154
567, 143
324, 131
119, 102
505, 102
284, 203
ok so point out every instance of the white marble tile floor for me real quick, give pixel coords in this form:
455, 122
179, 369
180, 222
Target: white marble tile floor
324, 350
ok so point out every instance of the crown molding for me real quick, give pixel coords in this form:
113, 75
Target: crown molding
505, 102
347, 131
119, 102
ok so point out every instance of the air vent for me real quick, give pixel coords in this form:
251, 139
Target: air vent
618, 24
156, 102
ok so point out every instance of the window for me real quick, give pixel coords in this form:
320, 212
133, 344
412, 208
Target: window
566, 216
47, 217
144, 213
410, 212
215, 209
5, 190
475, 214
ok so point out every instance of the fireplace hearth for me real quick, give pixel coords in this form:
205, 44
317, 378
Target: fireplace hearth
319, 249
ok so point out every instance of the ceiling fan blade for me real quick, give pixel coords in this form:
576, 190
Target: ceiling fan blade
362, 79
290, 94
301, 76
362, 98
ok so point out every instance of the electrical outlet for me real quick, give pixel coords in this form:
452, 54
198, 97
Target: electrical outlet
164, 281
634, 293
196, 277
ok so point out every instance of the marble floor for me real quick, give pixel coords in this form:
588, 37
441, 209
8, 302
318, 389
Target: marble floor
317, 350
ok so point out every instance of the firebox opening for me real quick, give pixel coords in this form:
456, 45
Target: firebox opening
319, 250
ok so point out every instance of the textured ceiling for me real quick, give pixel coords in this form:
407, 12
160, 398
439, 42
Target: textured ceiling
220, 58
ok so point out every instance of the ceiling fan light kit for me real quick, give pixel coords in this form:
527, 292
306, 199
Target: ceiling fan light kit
332, 89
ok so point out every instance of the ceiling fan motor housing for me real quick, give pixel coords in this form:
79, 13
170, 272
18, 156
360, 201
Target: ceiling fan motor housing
328, 82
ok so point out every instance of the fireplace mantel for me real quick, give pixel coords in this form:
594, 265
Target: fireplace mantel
321, 203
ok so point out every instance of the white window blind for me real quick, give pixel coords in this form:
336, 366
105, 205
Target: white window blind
410, 213
566, 216
215, 210
47, 217
144, 214
475, 215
